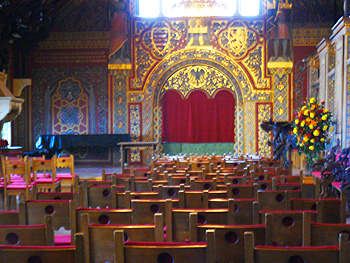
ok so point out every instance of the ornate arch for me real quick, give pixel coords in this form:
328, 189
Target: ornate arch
239, 82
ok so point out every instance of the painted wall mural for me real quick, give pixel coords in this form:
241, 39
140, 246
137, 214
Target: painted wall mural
181, 53
70, 108
207, 54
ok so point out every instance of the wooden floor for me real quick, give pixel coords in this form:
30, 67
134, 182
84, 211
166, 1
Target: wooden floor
95, 171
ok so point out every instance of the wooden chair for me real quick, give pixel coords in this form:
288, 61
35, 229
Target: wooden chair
9, 217
78, 196
99, 239
270, 163
33, 212
22, 186
178, 220
102, 196
52, 254
237, 164
288, 186
149, 252
331, 210
143, 210
276, 200
245, 191
322, 234
124, 198
28, 235
103, 217
169, 191
202, 184
46, 184
198, 199
232, 179
229, 239
285, 228
67, 179
319, 254
244, 213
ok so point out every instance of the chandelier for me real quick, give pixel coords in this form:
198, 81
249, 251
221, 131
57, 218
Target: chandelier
198, 7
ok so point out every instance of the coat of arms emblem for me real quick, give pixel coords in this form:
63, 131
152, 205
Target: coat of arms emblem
160, 38
238, 39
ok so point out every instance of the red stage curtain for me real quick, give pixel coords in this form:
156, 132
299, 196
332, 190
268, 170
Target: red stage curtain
198, 119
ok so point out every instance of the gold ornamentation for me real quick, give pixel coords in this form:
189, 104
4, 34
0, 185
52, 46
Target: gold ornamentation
191, 78
280, 99
280, 111
249, 131
238, 39
310, 36
234, 39
264, 114
279, 64
119, 66
280, 86
160, 39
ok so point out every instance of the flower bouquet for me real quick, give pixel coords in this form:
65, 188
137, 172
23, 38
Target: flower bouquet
312, 128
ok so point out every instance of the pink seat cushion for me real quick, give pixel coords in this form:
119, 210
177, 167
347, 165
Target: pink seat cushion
64, 176
317, 174
337, 185
62, 240
18, 186
41, 175
46, 180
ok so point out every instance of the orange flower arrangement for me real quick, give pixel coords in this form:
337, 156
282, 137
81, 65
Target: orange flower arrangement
312, 128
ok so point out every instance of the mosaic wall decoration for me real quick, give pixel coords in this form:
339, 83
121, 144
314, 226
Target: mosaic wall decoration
250, 125
347, 136
264, 113
309, 36
208, 54
221, 71
119, 80
93, 80
315, 69
70, 108
281, 98
300, 85
161, 64
135, 129
199, 77
120, 119
152, 42
347, 121
331, 58
244, 41
330, 95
